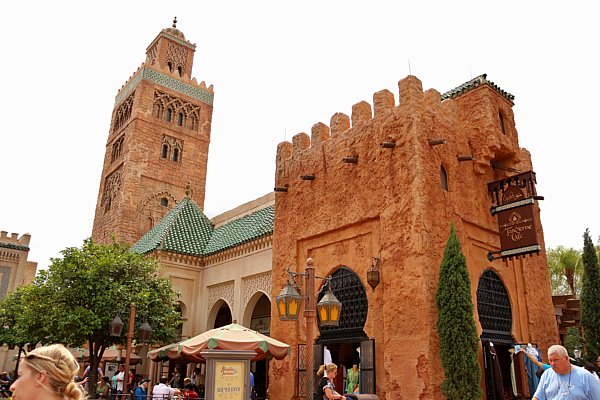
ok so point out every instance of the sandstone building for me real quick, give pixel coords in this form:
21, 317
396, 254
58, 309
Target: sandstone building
379, 187
15, 271
383, 186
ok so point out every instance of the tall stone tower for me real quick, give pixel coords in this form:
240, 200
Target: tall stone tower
157, 147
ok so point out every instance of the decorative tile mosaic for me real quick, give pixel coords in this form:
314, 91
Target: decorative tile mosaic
4, 280
174, 84
168, 82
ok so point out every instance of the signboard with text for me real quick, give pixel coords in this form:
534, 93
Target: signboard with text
514, 199
230, 378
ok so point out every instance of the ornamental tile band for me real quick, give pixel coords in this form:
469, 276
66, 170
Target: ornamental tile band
4, 280
168, 82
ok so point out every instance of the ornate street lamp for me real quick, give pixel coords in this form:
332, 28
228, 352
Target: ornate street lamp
116, 326
288, 307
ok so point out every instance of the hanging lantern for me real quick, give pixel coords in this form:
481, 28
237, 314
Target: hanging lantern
373, 273
288, 303
329, 309
116, 326
145, 332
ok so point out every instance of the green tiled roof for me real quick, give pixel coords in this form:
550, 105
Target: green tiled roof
236, 232
14, 246
186, 230
472, 84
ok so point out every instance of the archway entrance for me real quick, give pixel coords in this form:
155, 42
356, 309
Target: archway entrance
261, 322
495, 317
223, 316
348, 344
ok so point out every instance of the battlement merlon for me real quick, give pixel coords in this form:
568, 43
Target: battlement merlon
14, 241
492, 135
411, 94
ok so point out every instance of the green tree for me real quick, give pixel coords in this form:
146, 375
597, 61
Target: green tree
590, 298
565, 267
459, 343
81, 293
19, 324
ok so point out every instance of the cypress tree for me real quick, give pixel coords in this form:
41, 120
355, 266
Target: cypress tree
590, 298
459, 343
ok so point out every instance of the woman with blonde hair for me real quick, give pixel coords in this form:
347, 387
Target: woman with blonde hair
47, 373
329, 388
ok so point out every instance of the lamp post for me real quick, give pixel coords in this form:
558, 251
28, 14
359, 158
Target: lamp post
328, 309
115, 330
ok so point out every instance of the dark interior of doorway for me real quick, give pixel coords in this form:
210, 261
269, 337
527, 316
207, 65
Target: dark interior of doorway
344, 355
494, 378
259, 370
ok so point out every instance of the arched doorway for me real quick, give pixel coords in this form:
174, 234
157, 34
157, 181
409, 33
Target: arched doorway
348, 343
495, 317
259, 313
222, 314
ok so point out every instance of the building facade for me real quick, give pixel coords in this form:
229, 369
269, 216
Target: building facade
15, 270
377, 189
382, 187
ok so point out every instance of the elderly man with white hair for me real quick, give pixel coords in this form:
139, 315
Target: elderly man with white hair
565, 381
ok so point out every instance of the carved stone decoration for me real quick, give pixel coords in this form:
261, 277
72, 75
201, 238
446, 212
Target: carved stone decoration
151, 210
123, 113
164, 102
4, 280
177, 56
151, 56
224, 292
111, 188
257, 283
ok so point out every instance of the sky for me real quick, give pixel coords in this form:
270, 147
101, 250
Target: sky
278, 67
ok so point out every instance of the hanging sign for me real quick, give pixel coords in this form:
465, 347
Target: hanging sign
513, 201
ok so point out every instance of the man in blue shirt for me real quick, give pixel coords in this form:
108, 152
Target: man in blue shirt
565, 381
251, 384
141, 392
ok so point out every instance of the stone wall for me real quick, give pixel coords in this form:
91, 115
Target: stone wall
391, 204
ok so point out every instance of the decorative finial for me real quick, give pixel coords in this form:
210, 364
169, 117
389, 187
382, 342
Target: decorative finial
188, 189
175, 22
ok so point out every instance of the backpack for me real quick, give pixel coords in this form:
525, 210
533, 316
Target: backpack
320, 386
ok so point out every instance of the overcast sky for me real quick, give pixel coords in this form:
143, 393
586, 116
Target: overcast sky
278, 67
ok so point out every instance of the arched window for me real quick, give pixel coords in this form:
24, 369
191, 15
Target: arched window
164, 202
165, 151
502, 123
169, 114
444, 178
180, 119
170, 65
180, 71
176, 154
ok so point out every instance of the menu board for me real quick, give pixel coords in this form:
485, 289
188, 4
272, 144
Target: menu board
230, 378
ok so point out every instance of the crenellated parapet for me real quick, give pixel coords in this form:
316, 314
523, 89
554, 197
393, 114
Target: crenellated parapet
476, 119
14, 241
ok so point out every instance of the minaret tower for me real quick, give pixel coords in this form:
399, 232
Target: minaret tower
157, 147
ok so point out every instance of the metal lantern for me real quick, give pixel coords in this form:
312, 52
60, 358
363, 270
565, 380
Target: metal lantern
329, 309
145, 332
288, 303
373, 273
116, 326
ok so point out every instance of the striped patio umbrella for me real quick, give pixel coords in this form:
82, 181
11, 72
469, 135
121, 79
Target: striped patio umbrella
228, 337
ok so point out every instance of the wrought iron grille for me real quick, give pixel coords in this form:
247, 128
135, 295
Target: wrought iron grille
348, 289
493, 307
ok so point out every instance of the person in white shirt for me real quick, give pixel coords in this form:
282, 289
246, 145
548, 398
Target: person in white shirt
565, 381
162, 391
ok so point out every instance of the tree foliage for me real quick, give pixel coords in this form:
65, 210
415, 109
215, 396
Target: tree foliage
565, 267
590, 298
82, 292
459, 343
